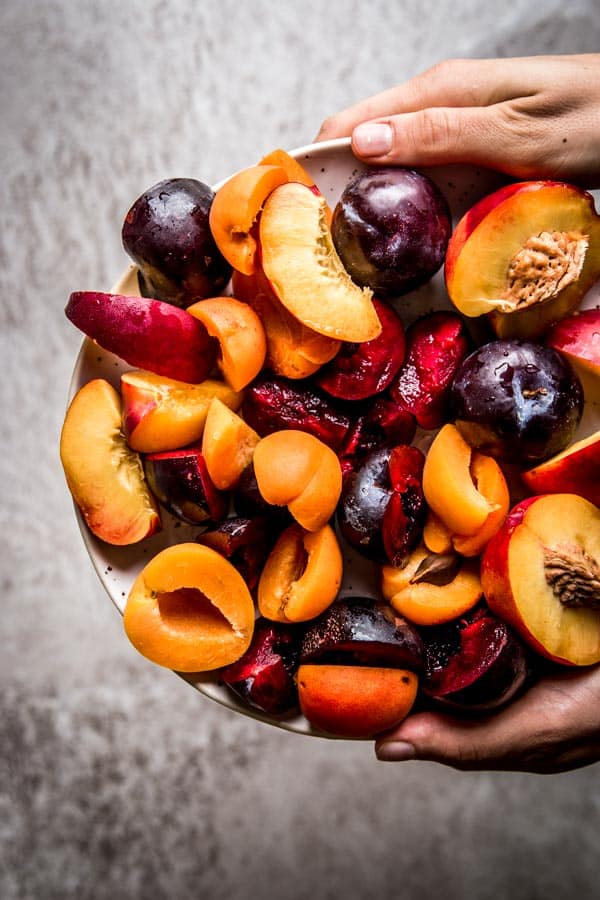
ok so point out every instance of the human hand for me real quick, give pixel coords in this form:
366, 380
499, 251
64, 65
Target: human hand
553, 727
529, 117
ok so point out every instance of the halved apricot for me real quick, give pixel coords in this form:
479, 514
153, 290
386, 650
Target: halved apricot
234, 211
432, 588
241, 337
437, 537
489, 481
227, 444
164, 414
355, 701
190, 610
302, 575
297, 470
295, 171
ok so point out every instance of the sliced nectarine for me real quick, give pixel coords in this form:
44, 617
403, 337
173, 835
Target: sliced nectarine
104, 475
234, 211
293, 350
308, 277
355, 701
541, 574
240, 334
578, 338
526, 254
164, 414
301, 576
227, 444
190, 610
432, 588
576, 471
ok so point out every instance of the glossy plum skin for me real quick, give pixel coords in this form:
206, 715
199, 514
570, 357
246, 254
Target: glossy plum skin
516, 401
391, 228
166, 233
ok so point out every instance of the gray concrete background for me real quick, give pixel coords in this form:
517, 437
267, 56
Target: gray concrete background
117, 779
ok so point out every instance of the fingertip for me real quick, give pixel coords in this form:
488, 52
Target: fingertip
394, 751
372, 139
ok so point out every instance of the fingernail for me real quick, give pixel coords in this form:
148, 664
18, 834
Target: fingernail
372, 139
395, 751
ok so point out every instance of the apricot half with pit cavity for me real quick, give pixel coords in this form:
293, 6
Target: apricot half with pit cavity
190, 610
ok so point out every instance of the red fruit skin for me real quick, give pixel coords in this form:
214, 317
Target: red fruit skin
180, 481
404, 516
383, 423
245, 543
578, 338
362, 370
436, 345
147, 334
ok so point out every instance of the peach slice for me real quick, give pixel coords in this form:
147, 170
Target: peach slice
240, 334
355, 701
448, 484
105, 477
432, 588
227, 444
578, 338
293, 350
234, 210
189, 609
541, 574
526, 255
295, 469
302, 575
147, 334
165, 414
307, 275
574, 471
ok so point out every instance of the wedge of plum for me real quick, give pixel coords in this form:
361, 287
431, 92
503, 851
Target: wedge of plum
245, 542
475, 664
179, 479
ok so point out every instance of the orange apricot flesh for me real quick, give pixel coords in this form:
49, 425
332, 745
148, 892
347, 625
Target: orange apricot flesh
355, 701
301, 576
489, 481
227, 445
190, 610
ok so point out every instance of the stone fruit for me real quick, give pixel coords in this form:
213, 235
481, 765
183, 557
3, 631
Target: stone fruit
295, 469
541, 574
436, 345
362, 370
358, 672
147, 334
180, 480
162, 413
575, 470
244, 542
264, 677
516, 401
391, 228
241, 337
235, 209
104, 475
382, 510
382, 423
227, 444
432, 588
167, 234
578, 338
301, 576
305, 271
474, 664
190, 610
293, 350
541, 244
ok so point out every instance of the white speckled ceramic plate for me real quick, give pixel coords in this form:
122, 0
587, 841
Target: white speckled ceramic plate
331, 164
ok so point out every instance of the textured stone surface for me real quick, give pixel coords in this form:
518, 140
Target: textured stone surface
116, 779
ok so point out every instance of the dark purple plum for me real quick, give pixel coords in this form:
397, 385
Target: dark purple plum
167, 235
474, 664
382, 423
391, 227
180, 481
245, 542
263, 678
363, 632
517, 401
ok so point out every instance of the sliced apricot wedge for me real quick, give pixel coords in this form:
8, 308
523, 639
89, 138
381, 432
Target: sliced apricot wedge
227, 444
189, 610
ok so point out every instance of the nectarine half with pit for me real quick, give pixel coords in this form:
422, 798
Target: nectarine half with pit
104, 475
541, 574
305, 271
190, 610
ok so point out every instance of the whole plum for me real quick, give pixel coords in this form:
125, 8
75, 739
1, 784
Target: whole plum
391, 228
516, 401
166, 233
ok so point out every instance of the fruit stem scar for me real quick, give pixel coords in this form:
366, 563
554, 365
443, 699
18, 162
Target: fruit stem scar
574, 576
546, 264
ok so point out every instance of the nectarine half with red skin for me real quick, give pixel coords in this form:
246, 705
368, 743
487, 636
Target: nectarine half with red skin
541, 574
578, 338
576, 471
